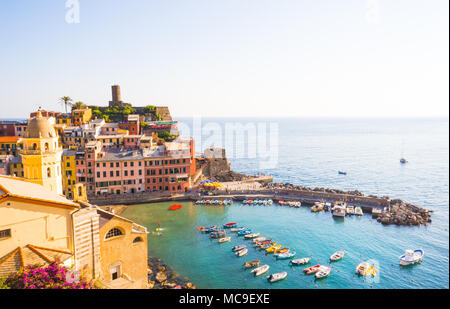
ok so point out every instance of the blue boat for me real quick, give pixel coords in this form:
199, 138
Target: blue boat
245, 232
342, 173
285, 256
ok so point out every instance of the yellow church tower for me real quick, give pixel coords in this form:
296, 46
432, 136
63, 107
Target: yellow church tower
41, 153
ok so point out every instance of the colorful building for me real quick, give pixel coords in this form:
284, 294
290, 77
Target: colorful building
9, 145
69, 177
81, 116
41, 153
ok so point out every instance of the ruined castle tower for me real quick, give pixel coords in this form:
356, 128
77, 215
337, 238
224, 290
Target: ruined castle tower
116, 97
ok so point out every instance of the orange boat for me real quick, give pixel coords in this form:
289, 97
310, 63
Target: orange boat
278, 251
175, 207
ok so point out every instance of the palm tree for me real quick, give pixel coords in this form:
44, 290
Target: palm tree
66, 101
78, 105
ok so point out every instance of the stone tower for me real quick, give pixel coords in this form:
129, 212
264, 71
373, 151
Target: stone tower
41, 153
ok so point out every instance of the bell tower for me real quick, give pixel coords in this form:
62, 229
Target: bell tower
41, 153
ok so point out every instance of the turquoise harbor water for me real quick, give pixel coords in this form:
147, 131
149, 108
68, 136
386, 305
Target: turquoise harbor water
310, 153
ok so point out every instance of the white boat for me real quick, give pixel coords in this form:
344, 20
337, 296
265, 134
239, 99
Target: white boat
224, 239
323, 272
339, 211
260, 270
242, 252
239, 247
358, 211
412, 257
277, 277
350, 210
337, 255
252, 235
257, 239
301, 261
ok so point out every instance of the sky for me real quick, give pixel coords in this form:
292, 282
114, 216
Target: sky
229, 58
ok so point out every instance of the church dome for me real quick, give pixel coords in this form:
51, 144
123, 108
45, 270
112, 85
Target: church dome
39, 127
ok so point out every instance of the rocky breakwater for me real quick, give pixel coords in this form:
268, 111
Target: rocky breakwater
403, 213
161, 276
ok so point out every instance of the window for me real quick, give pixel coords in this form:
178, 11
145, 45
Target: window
137, 239
113, 233
5, 234
49, 172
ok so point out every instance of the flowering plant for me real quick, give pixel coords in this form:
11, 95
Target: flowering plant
54, 276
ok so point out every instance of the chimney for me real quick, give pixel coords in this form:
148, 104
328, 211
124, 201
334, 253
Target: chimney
116, 93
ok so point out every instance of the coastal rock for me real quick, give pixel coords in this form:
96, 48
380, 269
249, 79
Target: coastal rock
161, 277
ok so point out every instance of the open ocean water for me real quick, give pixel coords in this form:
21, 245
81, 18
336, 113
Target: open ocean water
310, 153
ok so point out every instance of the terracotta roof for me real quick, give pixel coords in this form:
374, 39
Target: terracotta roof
9, 139
31, 255
23, 189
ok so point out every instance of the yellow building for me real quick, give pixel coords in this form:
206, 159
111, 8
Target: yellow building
80, 116
69, 177
8, 145
41, 153
38, 226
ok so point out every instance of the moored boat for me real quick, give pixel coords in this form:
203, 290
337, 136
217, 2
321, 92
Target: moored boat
229, 225
300, 261
238, 247
277, 277
365, 269
272, 248
258, 239
241, 252
412, 257
237, 229
338, 211
224, 239
260, 270
252, 235
286, 255
252, 264
350, 210
358, 211
244, 232
312, 269
279, 251
324, 271
337, 255
218, 234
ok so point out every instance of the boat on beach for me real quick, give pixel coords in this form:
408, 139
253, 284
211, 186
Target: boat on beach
277, 277
241, 252
337, 255
324, 271
252, 264
238, 247
412, 257
312, 269
224, 239
300, 261
260, 270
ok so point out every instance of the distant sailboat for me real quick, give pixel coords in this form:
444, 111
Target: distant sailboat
402, 159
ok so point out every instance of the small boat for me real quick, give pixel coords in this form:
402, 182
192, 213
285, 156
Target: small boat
175, 207
258, 239
267, 245
281, 202
285, 256
272, 248
229, 225
252, 264
350, 210
324, 271
301, 261
252, 235
218, 234
403, 161
224, 239
260, 270
245, 202
412, 257
312, 269
279, 251
239, 247
241, 252
201, 228
237, 229
338, 211
358, 211
244, 232
365, 269
342, 173
337, 255
277, 277
317, 207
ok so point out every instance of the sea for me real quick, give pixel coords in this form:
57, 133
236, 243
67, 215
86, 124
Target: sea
310, 152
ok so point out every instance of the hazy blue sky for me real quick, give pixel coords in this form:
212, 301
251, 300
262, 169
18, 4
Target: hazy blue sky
230, 57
